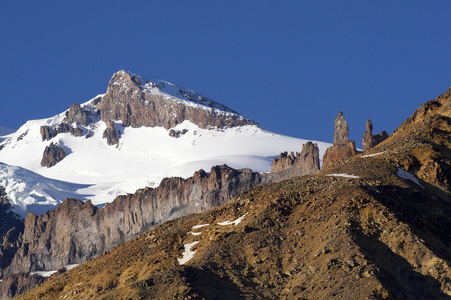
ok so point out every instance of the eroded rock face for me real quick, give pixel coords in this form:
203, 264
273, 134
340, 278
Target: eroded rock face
127, 100
369, 140
77, 115
341, 133
53, 154
304, 163
76, 231
342, 147
110, 134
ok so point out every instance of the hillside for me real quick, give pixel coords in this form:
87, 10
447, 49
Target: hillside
374, 226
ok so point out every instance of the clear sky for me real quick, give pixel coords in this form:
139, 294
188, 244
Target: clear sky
288, 65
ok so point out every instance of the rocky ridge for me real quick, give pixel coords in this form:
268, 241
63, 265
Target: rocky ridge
77, 231
131, 100
138, 102
363, 228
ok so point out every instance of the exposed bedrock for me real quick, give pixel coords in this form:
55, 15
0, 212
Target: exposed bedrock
369, 140
76, 231
128, 101
53, 154
342, 147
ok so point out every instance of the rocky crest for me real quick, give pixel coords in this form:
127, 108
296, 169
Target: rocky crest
135, 101
53, 154
369, 140
342, 147
77, 231
75, 121
138, 102
304, 163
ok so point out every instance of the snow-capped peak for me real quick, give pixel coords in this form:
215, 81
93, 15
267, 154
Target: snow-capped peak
174, 92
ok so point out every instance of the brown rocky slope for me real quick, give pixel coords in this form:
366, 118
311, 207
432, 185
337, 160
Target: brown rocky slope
382, 233
77, 231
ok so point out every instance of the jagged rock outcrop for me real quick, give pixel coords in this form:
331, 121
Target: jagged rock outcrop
341, 133
342, 147
304, 163
110, 134
137, 103
77, 115
76, 231
369, 140
177, 133
48, 132
53, 154
76, 118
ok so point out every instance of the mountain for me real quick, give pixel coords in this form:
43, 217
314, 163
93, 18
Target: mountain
131, 137
372, 226
4, 131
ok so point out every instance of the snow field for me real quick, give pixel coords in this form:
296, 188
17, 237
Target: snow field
100, 172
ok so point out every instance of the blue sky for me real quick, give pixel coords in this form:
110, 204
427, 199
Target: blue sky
288, 65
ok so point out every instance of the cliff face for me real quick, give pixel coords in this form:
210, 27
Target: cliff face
138, 102
77, 231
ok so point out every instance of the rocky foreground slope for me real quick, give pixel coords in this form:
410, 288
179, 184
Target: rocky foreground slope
374, 226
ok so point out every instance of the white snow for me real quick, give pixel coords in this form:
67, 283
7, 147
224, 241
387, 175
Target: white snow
343, 175
235, 222
94, 170
44, 273
70, 267
371, 155
406, 175
187, 253
200, 226
50, 273
195, 233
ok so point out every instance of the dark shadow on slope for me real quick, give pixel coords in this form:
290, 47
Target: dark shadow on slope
209, 285
395, 273
11, 227
427, 216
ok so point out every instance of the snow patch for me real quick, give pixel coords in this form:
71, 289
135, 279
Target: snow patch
187, 253
200, 226
44, 273
408, 176
195, 233
371, 155
50, 273
343, 175
70, 267
235, 222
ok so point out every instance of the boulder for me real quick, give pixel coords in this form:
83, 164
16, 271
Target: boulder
53, 154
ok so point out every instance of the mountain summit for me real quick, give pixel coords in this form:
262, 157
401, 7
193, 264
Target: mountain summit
137, 102
131, 137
